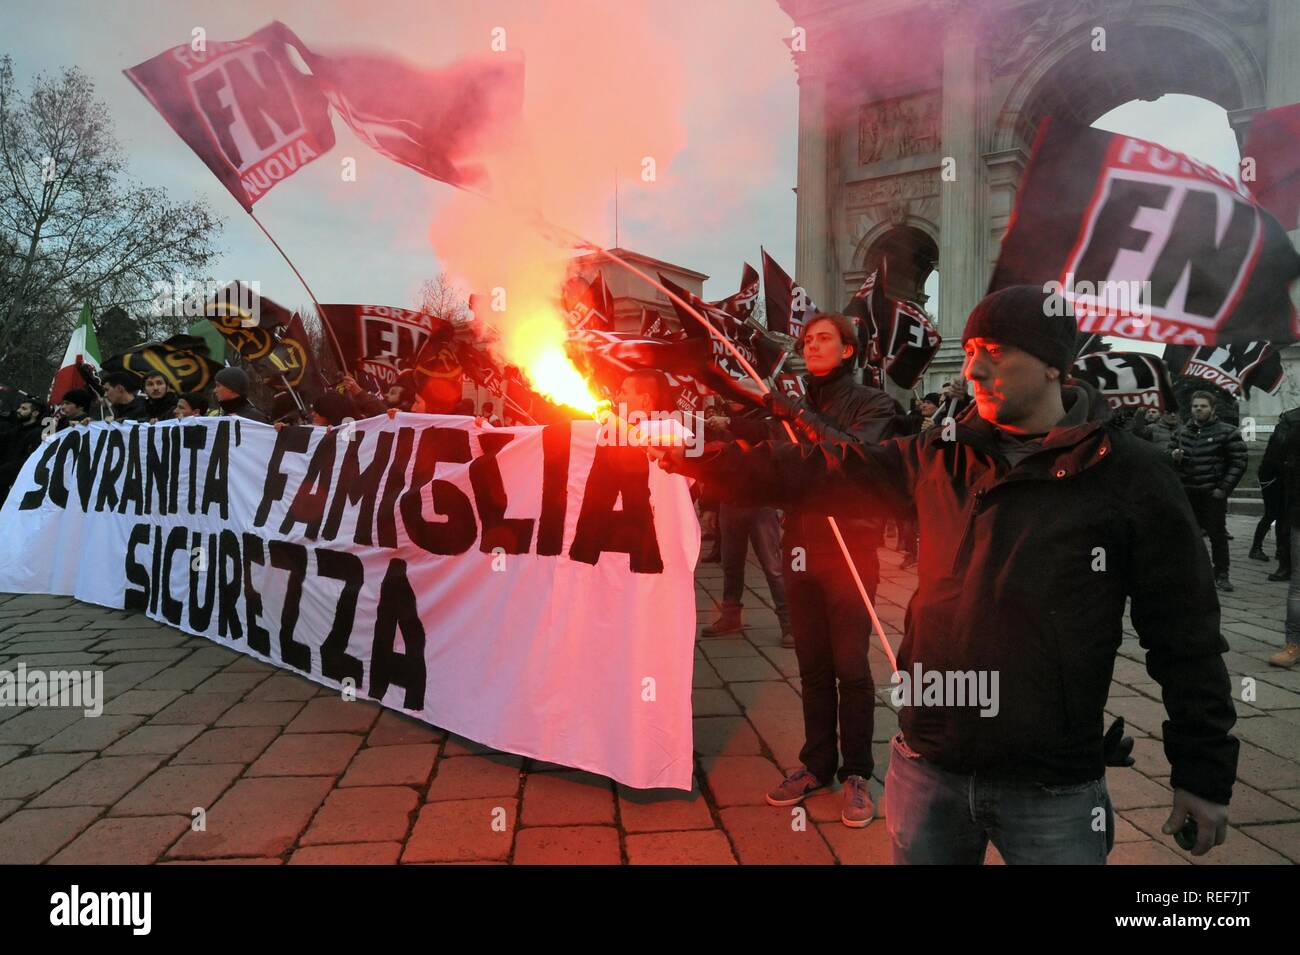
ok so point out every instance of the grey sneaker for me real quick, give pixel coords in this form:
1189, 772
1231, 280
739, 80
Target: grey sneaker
858, 809
796, 786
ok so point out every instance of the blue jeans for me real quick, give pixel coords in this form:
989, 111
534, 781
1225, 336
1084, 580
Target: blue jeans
940, 818
738, 527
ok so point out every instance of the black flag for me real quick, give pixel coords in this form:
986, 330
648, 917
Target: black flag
1143, 242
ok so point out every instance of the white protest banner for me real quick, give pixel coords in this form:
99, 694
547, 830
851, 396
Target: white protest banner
528, 588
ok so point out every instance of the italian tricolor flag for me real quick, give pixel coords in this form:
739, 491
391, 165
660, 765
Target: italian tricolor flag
83, 349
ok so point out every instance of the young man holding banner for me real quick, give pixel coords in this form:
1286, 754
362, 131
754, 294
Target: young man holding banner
1040, 522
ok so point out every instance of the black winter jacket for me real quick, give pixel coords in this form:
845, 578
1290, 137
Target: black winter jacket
162, 409
863, 414
1282, 460
17, 448
1214, 456
1024, 572
241, 407
133, 410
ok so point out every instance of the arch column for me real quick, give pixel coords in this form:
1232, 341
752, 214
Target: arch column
812, 211
961, 266
1282, 87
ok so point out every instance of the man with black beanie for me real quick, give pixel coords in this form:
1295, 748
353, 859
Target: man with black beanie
230, 390
74, 407
1041, 521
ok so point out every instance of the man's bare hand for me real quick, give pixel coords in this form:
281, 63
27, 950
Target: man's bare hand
670, 459
1211, 820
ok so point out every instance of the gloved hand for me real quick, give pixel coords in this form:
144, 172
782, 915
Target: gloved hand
1116, 747
744, 392
808, 425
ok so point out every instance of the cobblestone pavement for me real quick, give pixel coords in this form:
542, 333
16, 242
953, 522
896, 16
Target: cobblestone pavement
287, 772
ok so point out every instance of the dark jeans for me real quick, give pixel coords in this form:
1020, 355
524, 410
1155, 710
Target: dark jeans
907, 536
1212, 514
1274, 506
1284, 541
1293, 598
936, 817
832, 636
738, 528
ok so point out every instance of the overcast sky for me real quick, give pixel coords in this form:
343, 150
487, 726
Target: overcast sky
369, 242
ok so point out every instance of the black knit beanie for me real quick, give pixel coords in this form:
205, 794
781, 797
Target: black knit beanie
1025, 316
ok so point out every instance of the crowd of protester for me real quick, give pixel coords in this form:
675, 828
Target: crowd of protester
1002, 501
121, 396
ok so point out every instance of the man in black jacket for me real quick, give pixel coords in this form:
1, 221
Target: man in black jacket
830, 624
1281, 464
20, 443
1278, 499
1040, 521
1212, 458
121, 390
230, 390
160, 400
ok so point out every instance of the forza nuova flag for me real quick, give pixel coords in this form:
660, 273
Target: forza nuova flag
1127, 379
243, 106
1235, 368
381, 340
741, 304
1273, 149
912, 343
437, 121
788, 305
255, 116
1147, 243
529, 588
870, 311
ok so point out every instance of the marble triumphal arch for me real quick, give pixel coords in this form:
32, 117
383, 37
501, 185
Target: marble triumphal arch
916, 117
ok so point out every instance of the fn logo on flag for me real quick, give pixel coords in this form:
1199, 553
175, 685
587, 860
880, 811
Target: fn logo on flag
1180, 229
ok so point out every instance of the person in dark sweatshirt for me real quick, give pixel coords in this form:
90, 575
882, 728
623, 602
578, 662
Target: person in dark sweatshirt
1041, 521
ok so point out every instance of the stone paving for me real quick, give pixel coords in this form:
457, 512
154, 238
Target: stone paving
284, 771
